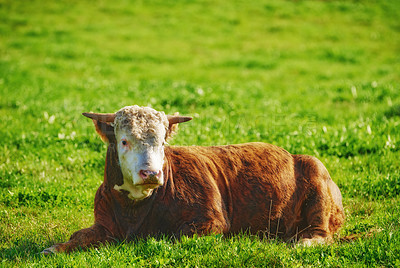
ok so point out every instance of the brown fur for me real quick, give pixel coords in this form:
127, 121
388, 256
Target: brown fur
255, 187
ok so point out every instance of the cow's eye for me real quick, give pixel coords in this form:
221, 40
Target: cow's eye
124, 142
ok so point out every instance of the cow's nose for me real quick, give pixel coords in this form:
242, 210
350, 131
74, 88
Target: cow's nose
150, 175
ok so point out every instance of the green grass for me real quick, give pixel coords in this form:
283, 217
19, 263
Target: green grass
314, 77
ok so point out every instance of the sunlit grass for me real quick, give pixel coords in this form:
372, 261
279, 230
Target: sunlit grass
314, 77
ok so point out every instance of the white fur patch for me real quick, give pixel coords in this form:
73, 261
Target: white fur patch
135, 192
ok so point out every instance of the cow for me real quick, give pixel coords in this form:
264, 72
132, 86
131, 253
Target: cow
152, 189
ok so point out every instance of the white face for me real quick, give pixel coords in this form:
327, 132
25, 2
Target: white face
141, 161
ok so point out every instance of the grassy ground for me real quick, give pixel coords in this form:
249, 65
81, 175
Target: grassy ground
315, 77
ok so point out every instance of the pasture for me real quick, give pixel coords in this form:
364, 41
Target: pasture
314, 77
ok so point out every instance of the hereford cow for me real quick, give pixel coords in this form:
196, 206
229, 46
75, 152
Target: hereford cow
151, 189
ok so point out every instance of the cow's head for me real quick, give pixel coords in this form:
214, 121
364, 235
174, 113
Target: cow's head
140, 134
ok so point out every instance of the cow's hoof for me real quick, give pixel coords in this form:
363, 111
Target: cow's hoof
49, 251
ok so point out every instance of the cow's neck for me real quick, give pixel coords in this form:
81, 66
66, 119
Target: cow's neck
168, 175
112, 170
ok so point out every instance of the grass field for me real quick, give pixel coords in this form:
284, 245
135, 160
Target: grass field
314, 77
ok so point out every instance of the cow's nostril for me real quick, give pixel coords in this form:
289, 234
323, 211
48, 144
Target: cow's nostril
144, 174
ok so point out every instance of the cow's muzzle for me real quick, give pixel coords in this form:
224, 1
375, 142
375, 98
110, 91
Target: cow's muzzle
150, 176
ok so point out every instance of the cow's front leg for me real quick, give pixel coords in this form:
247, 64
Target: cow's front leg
202, 228
94, 235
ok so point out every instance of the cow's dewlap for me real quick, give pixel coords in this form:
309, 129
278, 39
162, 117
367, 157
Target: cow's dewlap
137, 192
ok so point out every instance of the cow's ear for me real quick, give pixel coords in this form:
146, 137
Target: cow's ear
103, 125
105, 131
173, 124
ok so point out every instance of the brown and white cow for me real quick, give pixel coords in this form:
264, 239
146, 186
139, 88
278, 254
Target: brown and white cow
151, 189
